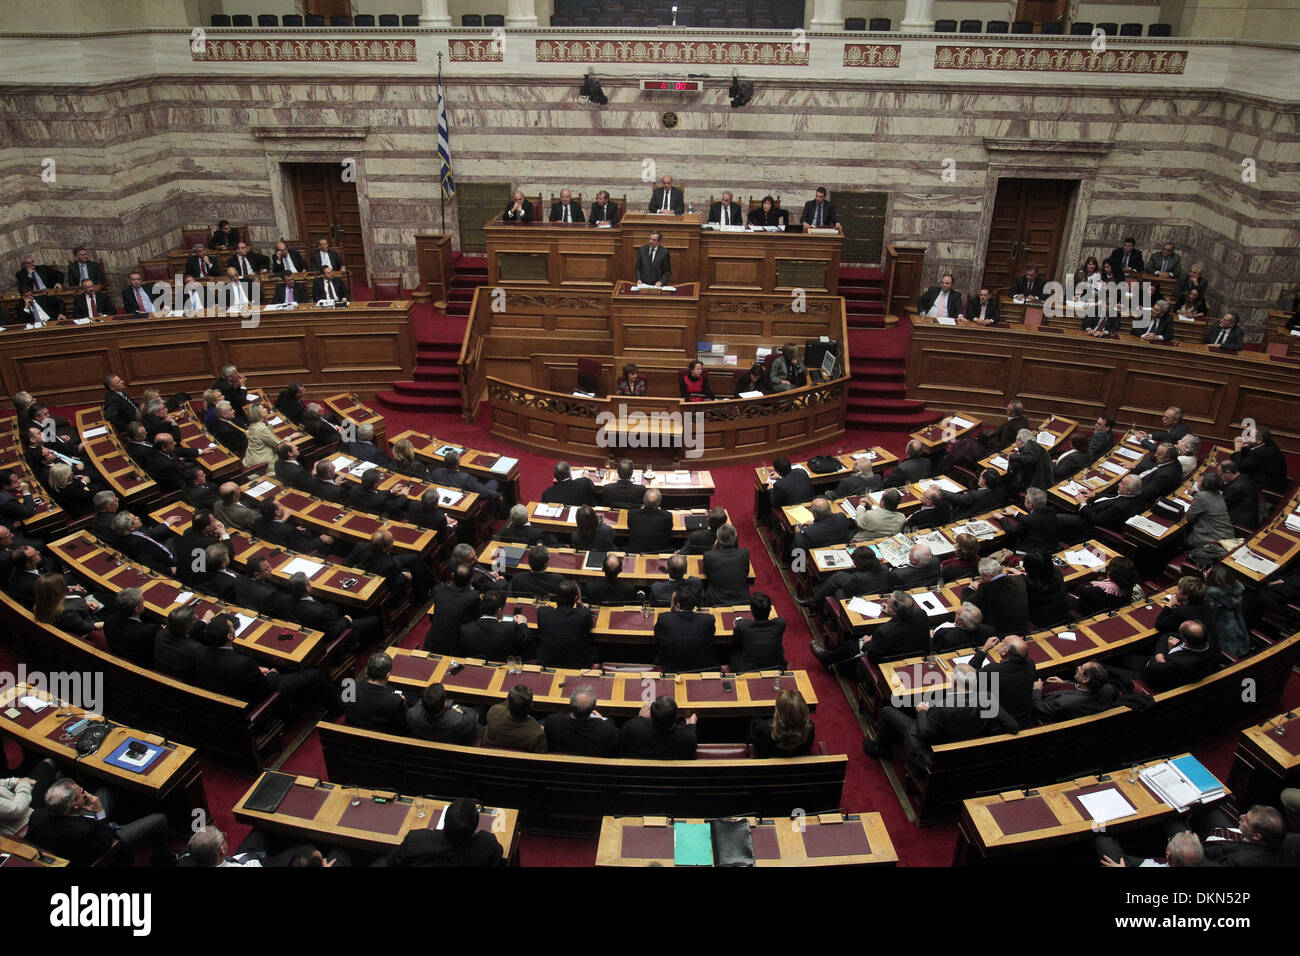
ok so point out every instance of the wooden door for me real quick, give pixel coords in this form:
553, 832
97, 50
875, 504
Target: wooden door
1042, 11
327, 208
1026, 228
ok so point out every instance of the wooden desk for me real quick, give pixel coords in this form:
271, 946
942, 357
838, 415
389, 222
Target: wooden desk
951, 427
480, 464
555, 254
654, 321
1167, 532
753, 261
467, 506
565, 523
275, 643
1267, 759
1272, 547
361, 348
104, 450
22, 854
378, 822
637, 568
173, 773
1053, 426
1017, 821
1079, 376
618, 694
349, 408
1102, 476
765, 477
48, 514
828, 839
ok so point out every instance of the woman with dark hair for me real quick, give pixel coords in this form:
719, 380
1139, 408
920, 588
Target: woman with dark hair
631, 382
593, 533
769, 214
755, 380
965, 563
1192, 303
53, 607
790, 731
694, 383
1111, 592
1048, 599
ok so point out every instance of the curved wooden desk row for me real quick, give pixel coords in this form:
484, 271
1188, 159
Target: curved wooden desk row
564, 524
730, 430
483, 465
1267, 759
561, 792
360, 348
1102, 476
637, 568
21, 854
47, 732
48, 514
1117, 736
1272, 547
275, 643
237, 733
349, 408
1081, 377
827, 839
374, 821
849, 621
765, 477
619, 693
1051, 434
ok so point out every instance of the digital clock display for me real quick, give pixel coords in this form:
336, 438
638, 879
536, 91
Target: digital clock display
672, 86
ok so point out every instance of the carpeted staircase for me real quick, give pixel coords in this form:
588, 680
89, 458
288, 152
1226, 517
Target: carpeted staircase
863, 289
469, 272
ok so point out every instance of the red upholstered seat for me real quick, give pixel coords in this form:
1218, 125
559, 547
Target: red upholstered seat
386, 287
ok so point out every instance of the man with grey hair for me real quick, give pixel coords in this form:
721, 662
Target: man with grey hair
76, 825
959, 717
879, 522
518, 530
649, 527
105, 504
862, 480
225, 431
117, 405
1111, 511
1037, 530
1030, 464
1161, 475
904, 634
1015, 671
481, 578
912, 468
148, 548
126, 634
582, 731
1002, 598
726, 569
933, 512
1175, 428
922, 568
966, 629
830, 526
1182, 849
363, 448
230, 383
1188, 449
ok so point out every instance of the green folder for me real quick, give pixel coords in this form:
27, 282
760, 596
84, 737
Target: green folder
692, 844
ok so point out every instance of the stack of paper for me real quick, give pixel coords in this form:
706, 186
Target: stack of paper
678, 478
503, 466
859, 455
245, 622
342, 463
946, 320
999, 461
1114, 467
302, 564
1254, 562
1132, 454
828, 560
1182, 782
895, 550
1084, 558
939, 545
1147, 526
448, 497
1071, 488
1106, 805
864, 607
95, 432
1293, 521
956, 421
1046, 439
847, 507
261, 488
549, 511
980, 529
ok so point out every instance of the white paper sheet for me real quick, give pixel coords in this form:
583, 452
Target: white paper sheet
864, 607
302, 564
95, 432
958, 422
999, 461
1115, 468
1147, 526
261, 488
245, 622
930, 603
503, 466
1106, 805
1254, 562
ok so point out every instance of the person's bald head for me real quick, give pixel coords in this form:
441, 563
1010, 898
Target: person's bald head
229, 492
1184, 849
820, 508
1015, 644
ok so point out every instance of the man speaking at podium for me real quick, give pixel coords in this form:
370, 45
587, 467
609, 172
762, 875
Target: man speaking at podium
653, 264
667, 198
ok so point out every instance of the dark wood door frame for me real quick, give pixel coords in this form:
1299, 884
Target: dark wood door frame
1027, 229
282, 198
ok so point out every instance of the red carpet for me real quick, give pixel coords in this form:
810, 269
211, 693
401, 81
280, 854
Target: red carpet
866, 787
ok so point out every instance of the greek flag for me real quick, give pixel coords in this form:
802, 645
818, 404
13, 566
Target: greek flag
444, 146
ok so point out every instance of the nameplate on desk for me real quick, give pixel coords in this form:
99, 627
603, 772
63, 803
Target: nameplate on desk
503, 466
95, 432
946, 320
749, 394
822, 231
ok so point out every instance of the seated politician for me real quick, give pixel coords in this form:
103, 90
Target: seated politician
567, 209
518, 209
769, 214
726, 212
819, 213
667, 198
1227, 335
602, 210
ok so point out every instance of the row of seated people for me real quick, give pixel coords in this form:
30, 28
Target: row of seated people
468, 619
1212, 837
658, 732
780, 371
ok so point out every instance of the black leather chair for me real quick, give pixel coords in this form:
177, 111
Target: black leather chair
268, 20
389, 20
1160, 30
410, 19
945, 26
494, 20
363, 20
1052, 29
340, 21
471, 20
561, 22
1081, 28
855, 23
221, 19
970, 26
1130, 30
291, 20
1022, 26
315, 20
242, 20
879, 24
997, 26
1110, 29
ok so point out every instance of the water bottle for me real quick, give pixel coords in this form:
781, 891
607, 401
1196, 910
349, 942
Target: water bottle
690, 208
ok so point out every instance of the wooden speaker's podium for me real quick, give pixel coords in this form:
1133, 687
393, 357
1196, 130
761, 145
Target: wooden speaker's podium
654, 322
680, 236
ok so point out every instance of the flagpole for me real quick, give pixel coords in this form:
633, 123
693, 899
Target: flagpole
442, 193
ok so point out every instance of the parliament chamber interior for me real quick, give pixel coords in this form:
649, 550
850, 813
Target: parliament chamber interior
785, 433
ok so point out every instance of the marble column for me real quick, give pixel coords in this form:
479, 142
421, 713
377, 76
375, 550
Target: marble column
918, 17
827, 15
433, 13
521, 14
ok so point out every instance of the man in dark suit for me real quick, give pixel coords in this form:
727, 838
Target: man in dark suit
610, 589
1240, 496
329, 619
1029, 465
225, 431
536, 581
819, 213
792, 485
224, 670
455, 604
726, 212
933, 512
34, 309
1113, 510
967, 629
1256, 840
1166, 262
1073, 461
1127, 258
199, 265
135, 297
922, 568
436, 718
323, 256
82, 267
88, 303
142, 547
1006, 432
568, 490
650, 527
602, 210
256, 589
581, 731
451, 475
701, 540
25, 562
127, 635
364, 495
1035, 531
1015, 678
377, 705
78, 826
564, 631
1029, 285
458, 843
1161, 328
327, 286
168, 462
272, 527
326, 484
760, 639
426, 513
1227, 335
1262, 461
247, 263
40, 278
490, 638
518, 209
1182, 659
623, 493
656, 733
174, 646
288, 470
941, 301
667, 198
518, 530
191, 551
684, 637
287, 261
982, 309
661, 592
1163, 476
868, 576
726, 569
862, 480
906, 633
987, 494
567, 209
653, 262
830, 526
224, 236
291, 293
1001, 597
914, 467
1094, 691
